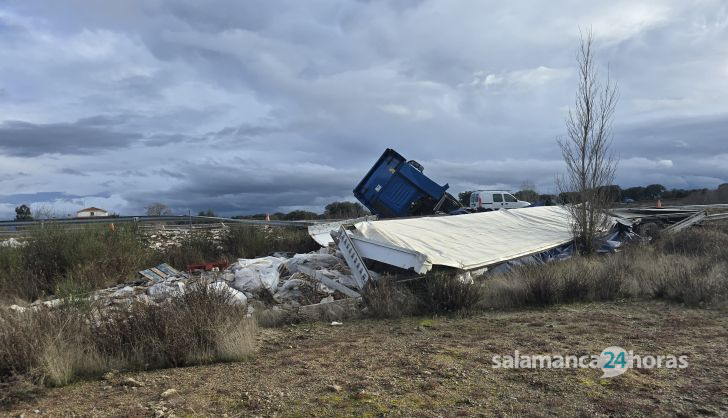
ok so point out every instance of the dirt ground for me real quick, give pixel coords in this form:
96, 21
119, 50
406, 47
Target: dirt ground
435, 367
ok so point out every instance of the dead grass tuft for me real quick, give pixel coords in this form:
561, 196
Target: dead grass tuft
676, 268
385, 298
55, 346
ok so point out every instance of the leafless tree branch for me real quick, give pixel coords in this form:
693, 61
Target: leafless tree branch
586, 149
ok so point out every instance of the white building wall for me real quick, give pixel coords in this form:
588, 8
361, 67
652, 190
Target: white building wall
96, 214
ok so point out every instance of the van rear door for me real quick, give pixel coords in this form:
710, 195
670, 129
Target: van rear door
485, 200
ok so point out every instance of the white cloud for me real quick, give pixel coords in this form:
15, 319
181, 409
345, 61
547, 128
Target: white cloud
533, 77
624, 20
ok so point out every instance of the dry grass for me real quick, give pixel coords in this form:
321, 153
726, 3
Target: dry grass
386, 298
690, 268
55, 346
67, 262
83, 259
437, 367
436, 292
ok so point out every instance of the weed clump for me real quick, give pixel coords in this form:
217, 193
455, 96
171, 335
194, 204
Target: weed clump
52, 347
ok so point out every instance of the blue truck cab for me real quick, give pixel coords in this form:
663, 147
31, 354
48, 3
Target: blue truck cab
395, 187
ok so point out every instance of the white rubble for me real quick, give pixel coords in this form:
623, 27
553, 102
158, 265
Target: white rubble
11, 243
164, 290
236, 297
254, 274
300, 280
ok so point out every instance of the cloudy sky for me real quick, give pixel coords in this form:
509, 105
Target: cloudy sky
256, 106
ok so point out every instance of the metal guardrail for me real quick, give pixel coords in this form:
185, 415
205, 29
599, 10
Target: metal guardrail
14, 228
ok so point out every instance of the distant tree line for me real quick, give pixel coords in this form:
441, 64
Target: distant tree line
616, 194
334, 210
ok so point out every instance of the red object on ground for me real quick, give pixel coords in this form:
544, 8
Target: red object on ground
222, 264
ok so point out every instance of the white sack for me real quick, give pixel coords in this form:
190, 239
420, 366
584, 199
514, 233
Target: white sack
236, 297
257, 273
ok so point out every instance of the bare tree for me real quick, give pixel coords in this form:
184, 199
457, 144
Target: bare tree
527, 192
158, 209
590, 162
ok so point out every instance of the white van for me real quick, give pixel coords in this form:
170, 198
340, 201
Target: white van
494, 200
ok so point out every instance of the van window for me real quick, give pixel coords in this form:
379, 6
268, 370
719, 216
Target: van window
473, 198
497, 197
510, 198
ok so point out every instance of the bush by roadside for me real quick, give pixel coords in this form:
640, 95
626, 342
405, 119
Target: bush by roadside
690, 267
436, 292
52, 347
56, 258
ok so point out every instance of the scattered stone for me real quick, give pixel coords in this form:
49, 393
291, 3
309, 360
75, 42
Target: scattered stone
110, 375
169, 393
18, 308
363, 394
131, 382
335, 323
335, 388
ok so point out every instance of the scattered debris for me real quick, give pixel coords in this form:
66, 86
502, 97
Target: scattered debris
273, 282
11, 243
252, 275
214, 266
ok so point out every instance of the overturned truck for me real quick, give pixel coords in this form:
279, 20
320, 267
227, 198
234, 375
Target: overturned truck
408, 230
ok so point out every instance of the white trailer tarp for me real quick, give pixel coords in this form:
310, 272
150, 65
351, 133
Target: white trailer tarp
473, 240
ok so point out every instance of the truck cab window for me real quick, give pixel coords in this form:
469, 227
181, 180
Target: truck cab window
510, 198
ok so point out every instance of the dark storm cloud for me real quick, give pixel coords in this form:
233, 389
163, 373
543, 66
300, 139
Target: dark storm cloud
23, 139
245, 186
250, 107
675, 137
35, 197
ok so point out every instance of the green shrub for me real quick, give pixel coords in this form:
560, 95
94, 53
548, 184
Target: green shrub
245, 241
93, 256
195, 248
